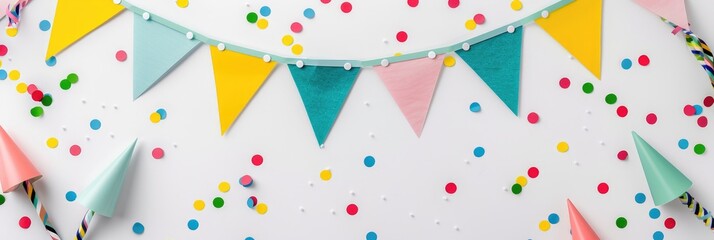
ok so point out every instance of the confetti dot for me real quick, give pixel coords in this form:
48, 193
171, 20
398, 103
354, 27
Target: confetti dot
261, 208
603, 188
199, 205
3, 74
262, 23
626, 63
402, 36
162, 113
224, 187
449, 61
521, 180
155, 117
120, 56
95, 124
65, 84
657, 235
37, 95
516, 5
533, 118
157, 153
654, 213
564, 83
52, 61
265, 11
544, 225
73, 78
346, 7
182, 3
70, 196
11, 32
369, 161
138, 228
47, 100
287, 40
479, 152
622, 111
475, 107
697, 109
553, 218
689, 110
45, 25
252, 201
2, 199
192, 224
75, 150
640, 198
708, 101
454, 3
450, 188
699, 149
562, 147
643, 60
326, 175
352, 209
611, 98
309, 13
325, 1
670, 223
516, 188
14, 75
257, 160
702, 121
683, 144
251, 17
218, 202
296, 27
533, 172
622, 155
25, 222
37, 111
296, 49
588, 88
413, 3
52, 142
246, 181
651, 118
479, 18
470, 24
621, 222
372, 235
3, 50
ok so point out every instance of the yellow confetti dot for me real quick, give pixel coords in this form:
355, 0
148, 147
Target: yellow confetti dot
516, 5
182, 3
470, 24
0, 63
155, 117
544, 225
12, 32
563, 147
199, 205
262, 23
224, 187
261, 208
14, 75
52, 142
397, 54
449, 61
521, 180
288, 40
326, 175
297, 49
21, 87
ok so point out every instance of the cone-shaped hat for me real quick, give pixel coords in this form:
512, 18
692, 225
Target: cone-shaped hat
102, 194
580, 229
666, 181
15, 167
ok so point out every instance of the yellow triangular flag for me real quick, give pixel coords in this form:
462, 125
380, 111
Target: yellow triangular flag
76, 18
578, 28
238, 77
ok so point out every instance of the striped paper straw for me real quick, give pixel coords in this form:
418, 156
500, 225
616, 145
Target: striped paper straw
84, 226
41, 211
701, 212
13, 12
699, 48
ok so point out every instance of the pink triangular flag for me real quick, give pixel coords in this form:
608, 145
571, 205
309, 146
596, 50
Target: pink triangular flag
15, 167
412, 85
579, 228
672, 10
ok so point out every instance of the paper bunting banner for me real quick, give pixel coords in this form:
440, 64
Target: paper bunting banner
238, 77
157, 50
323, 91
673, 10
498, 62
75, 18
578, 28
412, 85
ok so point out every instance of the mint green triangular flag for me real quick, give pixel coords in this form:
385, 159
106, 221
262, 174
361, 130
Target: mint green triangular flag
666, 181
102, 194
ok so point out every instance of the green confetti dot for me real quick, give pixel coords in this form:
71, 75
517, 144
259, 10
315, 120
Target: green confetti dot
37, 111
73, 78
218, 202
65, 84
2, 199
699, 149
611, 98
252, 17
516, 188
621, 222
588, 88
47, 100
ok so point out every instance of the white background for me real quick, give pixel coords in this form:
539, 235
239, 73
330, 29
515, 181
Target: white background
410, 172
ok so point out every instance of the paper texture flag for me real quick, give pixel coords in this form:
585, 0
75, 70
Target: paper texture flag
238, 77
666, 182
15, 167
412, 85
578, 28
102, 194
497, 61
323, 91
157, 50
76, 18
580, 229
672, 10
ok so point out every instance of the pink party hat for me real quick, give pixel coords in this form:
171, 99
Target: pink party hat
580, 229
15, 167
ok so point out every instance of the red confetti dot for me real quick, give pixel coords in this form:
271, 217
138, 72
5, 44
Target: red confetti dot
689, 110
533, 118
533, 172
257, 160
157, 153
479, 18
644, 60
702, 121
25, 222
708, 101
352, 209
670, 223
651, 118
37, 95
402, 36
603, 188
346, 7
3, 50
120, 55
413, 3
450, 188
454, 3
564, 83
325, 1
31, 88
296, 27
622, 155
622, 111
75, 150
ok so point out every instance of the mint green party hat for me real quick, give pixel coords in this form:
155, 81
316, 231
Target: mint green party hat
102, 194
666, 181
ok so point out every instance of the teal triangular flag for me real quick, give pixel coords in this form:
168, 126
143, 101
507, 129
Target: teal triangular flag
497, 61
323, 91
157, 50
666, 182
102, 194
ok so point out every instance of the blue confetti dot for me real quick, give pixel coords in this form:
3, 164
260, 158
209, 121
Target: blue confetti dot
45, 25
265, 11
683, 144
698, 109
553, 218
479, 152
95, 124
3, 74
52, 61
369, 161
475, 107
162, 113
192, 224
250, 202
71, 196
371, 236
658, 235
626, 63
138, 228
640, 198
249, 238
309, 13
654, 213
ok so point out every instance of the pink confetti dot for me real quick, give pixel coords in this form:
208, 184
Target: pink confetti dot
622, 155
479, 18
31, 88
120, 55
296, 27
702, 121
533, 117
533, 172
670, 223
25, 222
402, 36
346, 7
643, 60
3, 50
564, 83
75, 150
257, 160
454, 3
450, 188
352, 209
157, 153
622, 111
603, 188
325, 1
651, 118
708, 101
689, 110
413, 3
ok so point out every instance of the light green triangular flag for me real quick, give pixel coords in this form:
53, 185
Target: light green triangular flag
102, 194
666, 181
